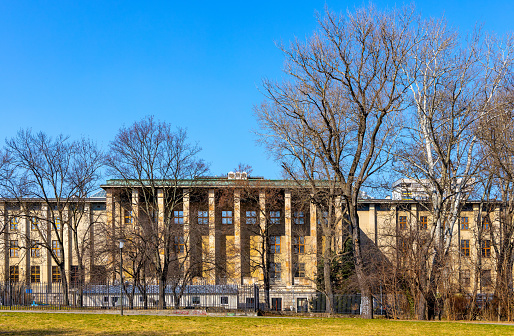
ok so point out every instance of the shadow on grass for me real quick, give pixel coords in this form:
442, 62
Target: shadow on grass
37, 332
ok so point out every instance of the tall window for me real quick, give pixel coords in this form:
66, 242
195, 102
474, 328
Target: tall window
402, 221
226, 217
298, 218
203, 217
423, 222
275, 244
465, 277
178, 217
486, 278
14, 249
74, 276
128, 217
274, 217
14, 273
58, 224
464, 247
56, 274
179, 245
486, 248
251, 217
13, 224
402, 245
486, 223
275, 270
464, 223
299, 245
34, 249
56, 249
35, 274
299, 270
34, 223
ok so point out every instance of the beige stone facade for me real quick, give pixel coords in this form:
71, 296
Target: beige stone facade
222, 223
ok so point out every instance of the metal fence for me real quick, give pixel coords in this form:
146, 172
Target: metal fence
228, 297
19, 295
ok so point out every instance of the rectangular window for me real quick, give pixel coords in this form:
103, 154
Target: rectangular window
203, 217
128, 217
74, 276
299, 245
464, 223
34, 250
14, 249
56, 249
302, 305
402, 245
402, 221
300, 270
224, 300
58, 224
35, 274
423, 222
56, 274
13, 224
465, 277
179, 245
274, 217
14, 273
34, 223
486, 223
196, 300
276, 304
226, 217
251, 217
486, 278
298, 218
323, 219
486, 248
464, 247
275, 244
275, 271
178, 217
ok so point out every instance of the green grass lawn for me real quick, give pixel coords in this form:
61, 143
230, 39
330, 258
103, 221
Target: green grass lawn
99, 324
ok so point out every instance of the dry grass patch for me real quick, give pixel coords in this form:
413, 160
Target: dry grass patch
105, 324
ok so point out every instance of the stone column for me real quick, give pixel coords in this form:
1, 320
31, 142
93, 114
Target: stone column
288, 269
262, 222
45, 222
373, 223
311, 267
338, 243
88, 220
25, 273
212, 237
187, 235
160, 208
237, 236
135, 207
67, 241
4, 223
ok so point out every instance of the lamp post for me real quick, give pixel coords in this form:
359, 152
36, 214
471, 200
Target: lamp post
122, 242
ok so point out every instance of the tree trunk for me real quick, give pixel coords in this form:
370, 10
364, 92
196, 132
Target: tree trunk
327, 255
366, 294
162, 293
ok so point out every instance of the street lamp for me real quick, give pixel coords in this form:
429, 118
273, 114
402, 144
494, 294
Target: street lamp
122, 243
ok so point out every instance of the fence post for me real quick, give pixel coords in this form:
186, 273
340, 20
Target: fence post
256, 297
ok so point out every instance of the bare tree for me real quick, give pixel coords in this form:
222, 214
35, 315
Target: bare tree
497, 149
50, 180
157, 162
455, 81
334, 120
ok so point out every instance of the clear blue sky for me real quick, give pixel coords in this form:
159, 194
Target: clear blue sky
87, 68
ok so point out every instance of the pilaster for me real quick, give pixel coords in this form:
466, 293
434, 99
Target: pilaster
288, 269
237, 236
